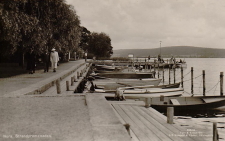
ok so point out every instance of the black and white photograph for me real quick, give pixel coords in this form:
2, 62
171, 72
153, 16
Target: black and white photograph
112, 70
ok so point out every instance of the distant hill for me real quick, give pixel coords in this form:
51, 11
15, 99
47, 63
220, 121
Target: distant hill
176, 51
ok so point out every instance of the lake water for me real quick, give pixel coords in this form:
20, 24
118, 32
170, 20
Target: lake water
212, 67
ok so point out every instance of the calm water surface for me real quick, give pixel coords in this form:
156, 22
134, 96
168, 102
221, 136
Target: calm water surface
212, 67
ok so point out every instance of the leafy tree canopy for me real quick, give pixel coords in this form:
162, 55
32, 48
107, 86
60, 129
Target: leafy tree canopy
38, 24
99, 45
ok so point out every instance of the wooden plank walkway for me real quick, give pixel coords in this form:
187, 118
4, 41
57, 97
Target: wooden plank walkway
148, 124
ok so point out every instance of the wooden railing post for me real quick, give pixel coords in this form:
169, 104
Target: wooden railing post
215, 132
58, 87
203, 77
147, 102
170, 113
174, 75
182, 77
192, 81
72, 81
163, 74
67, 86
78, 75
154, 71
74, 78
221, 83
161, 97
169, 75
158, 70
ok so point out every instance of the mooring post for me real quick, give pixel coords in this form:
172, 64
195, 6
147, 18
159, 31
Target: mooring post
67, 86
154, 71
158, 70
74, 78
161, 97
78, 75
192, 82
163, 74
174, 75
170, 113
72, 81
182, 77
203, 77
169, 75
58, 87
147, 102
221, 83
215, 132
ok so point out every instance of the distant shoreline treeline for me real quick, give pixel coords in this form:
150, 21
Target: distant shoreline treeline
176, 51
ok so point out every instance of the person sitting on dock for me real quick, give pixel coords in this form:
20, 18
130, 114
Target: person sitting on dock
92, 88
119, 94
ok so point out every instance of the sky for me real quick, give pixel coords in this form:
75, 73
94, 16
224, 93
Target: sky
134, 24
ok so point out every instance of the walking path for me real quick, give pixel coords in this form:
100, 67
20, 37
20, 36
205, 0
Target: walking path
27, 115
27, 83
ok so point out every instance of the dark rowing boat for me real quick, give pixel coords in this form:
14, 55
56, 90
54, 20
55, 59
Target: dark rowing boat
188, 103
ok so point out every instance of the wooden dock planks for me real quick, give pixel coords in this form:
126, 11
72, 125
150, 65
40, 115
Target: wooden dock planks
149, 124
137, 130
147, 127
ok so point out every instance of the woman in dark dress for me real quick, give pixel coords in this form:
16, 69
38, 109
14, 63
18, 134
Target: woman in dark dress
31, 61
46, 60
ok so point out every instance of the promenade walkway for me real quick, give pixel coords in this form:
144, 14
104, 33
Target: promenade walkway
26, 83
27, 115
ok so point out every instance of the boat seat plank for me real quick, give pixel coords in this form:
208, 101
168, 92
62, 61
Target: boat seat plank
175, 102
135, 128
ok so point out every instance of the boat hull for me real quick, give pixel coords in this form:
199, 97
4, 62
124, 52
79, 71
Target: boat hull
139, 96
116, 83
127, 75
189, 103
115, 86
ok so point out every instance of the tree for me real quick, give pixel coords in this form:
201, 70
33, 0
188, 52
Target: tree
85, 38
37, 24
100, 45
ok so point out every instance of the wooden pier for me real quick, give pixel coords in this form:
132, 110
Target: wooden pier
148, 124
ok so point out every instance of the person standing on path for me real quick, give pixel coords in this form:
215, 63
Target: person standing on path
31, 61
54, 58
46, 60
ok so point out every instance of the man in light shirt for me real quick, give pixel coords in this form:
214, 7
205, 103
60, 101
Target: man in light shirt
54, 58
